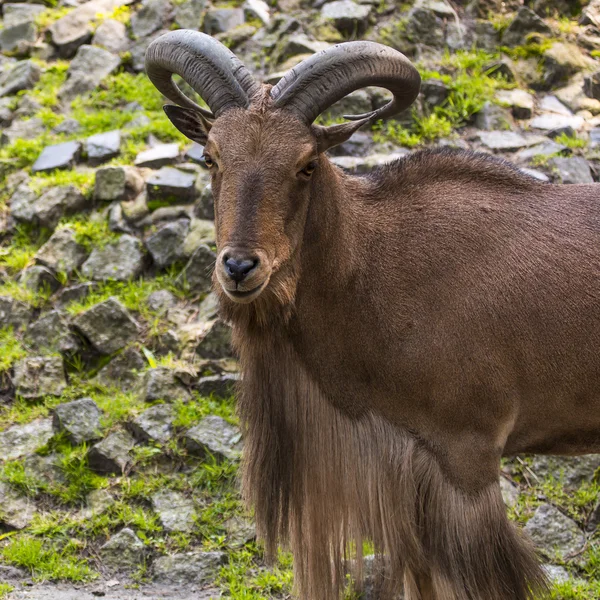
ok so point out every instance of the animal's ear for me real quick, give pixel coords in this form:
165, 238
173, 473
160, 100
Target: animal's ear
190, 122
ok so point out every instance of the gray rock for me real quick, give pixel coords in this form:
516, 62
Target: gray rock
188, 568
257, 9
68, 127
221, 386
434, 92
519, 101
548, 148
201, 231
347, 16
138, 50
553, 533
39, 376
524, 23
74, 293
571, 470
79, 419
161, 300
205, 205
510, 494
506, 141
299, 43
493, 117
221, 20
175, 511
356, 103
563, 60
16, 512
23, 76
111, 35
124, 551
550, 121
44, 469
58, 156
14, 313
213, 435
171, 185
208, 308
154, 424
117, 184
572, 170
51, 332
239, 532
591, 85
55, 203
197, 273
22, 203
425, 27
14, 14
158, 156
188, 15
26, 130
123, 371
97, 502
112, 454
21, 440
166, 245
18, 38
39, 279
595, 138
121, 260
107, 325
89, 67
103, 146
195, 153
556, 574
75, 29
62, 253
591, 14
152, 16
162, 384
216, 343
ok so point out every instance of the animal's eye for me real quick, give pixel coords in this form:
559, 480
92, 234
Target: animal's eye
208, 161
309, 168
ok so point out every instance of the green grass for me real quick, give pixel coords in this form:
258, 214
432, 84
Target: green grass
5, 589
46, 561
573, 142
46, 89
90, 232
11, 349
471, 84
82, 180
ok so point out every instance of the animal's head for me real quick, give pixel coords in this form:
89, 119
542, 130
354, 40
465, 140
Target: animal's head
261, 145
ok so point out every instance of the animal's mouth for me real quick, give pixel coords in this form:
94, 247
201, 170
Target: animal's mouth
246, 296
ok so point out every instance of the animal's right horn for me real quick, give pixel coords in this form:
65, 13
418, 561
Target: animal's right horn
213, 71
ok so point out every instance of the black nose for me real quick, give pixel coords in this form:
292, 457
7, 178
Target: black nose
238, 267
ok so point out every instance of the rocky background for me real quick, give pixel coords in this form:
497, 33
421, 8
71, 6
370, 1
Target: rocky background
118, 439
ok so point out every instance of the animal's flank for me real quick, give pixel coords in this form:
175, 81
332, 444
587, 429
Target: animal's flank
324, 482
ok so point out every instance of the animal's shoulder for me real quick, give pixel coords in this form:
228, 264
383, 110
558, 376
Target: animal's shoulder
434, 166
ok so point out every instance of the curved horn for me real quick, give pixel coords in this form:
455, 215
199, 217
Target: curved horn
213, 71
326, 77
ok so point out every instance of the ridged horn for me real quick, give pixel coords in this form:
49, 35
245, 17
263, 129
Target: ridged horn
211, 69
326, 77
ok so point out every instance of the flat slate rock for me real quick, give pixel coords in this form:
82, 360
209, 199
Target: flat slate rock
39, 376
507, 141
62, 252
21, 440
214, 435
112, 454
572, 170
107, 325
158, 156
154, 424
124, 551
550, 121
103, 146
121, 260
58, 156
554, 533
173, 185
188, 568
175, 511
79, 419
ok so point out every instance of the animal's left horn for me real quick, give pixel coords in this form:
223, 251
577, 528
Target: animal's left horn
213, 71
326, 77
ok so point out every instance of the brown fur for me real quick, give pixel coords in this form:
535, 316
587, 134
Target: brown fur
414, 325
